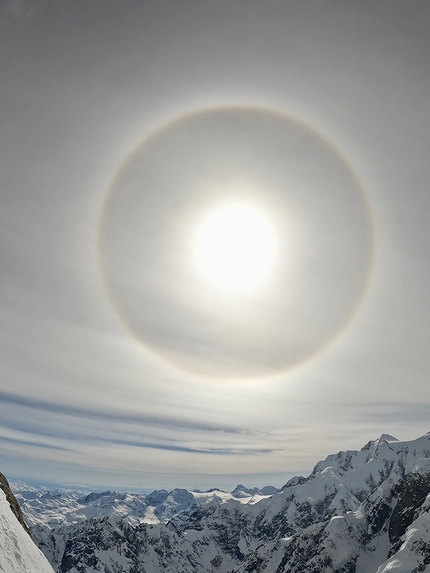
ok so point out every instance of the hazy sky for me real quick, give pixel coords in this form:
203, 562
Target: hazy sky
123, 123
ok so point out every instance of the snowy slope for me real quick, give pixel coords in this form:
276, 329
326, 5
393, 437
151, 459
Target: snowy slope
18, 553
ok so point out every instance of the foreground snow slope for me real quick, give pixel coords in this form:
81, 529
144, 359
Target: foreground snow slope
18, 553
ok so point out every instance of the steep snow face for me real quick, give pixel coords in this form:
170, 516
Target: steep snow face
18, 553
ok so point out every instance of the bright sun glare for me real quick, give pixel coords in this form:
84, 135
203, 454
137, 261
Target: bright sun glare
234, 248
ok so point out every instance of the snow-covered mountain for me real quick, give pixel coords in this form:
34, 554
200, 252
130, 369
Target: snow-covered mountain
363, 511
68, 507
18, 552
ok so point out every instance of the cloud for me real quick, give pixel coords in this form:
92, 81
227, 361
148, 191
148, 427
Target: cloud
67, 427
32, 444
120, 418
21, 8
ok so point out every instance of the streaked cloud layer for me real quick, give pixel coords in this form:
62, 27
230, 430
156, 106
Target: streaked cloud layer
82, 83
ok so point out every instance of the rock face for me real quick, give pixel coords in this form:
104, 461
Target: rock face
363, 511
12, 501
18, 553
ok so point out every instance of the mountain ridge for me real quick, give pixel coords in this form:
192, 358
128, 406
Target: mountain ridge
358, 511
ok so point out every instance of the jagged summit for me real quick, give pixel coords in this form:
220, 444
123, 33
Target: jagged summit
241, 491
388, 438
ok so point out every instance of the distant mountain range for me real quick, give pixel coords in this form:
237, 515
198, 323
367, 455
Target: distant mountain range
363, 511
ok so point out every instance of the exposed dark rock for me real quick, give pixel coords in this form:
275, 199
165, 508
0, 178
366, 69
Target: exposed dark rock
216, 561
411, 494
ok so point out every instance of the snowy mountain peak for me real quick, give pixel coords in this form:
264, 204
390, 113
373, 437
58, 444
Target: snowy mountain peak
296, 480
388, 438
241, 491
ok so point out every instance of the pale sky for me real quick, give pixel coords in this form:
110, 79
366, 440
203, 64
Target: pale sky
124, 126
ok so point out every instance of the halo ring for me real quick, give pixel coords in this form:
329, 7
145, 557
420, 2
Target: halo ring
169, 127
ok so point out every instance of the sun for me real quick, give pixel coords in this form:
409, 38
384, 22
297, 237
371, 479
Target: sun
234, 248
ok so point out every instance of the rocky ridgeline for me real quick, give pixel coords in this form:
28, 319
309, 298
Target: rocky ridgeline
361, 511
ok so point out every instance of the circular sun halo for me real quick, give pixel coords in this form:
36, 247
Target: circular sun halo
189, 315
234, 248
